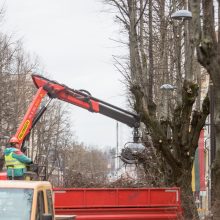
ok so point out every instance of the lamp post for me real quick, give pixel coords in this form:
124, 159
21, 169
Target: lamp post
185, 16
117, 150
212, 136
167, 87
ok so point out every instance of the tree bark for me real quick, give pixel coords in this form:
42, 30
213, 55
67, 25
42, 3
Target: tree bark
151, 59
216, 164
208, 51
180, 151
187, 198
185, 122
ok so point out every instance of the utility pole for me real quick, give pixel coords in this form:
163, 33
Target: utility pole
117, 151
212, 133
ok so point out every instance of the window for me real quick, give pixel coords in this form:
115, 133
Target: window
40, 210
15, 204
49, 201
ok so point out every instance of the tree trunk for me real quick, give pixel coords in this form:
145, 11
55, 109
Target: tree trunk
208, 51
187, 198
208, 57
216, 165
216, 187
151, 59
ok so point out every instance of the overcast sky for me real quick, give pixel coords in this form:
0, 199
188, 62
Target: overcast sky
73, 40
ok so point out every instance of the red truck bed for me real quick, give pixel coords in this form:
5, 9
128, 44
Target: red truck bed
122, 203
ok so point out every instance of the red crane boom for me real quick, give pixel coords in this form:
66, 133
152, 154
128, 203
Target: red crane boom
80, 98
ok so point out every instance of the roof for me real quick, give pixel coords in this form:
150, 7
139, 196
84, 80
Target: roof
23, 184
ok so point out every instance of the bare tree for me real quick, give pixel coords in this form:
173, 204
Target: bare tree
85, 167
162, 52
206, 34
52, 135
16, 88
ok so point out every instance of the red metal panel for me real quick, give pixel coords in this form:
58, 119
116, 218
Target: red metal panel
123, 213
133, 197
167, 197
108, 210
123, 204
100, 198
65, 198
71, 198
129, 217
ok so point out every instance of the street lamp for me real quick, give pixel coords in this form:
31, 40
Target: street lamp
168, 87
182, 15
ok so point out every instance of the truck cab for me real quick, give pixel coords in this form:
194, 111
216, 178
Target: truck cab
27, 200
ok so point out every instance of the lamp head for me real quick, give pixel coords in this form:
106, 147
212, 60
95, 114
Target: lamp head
182, 15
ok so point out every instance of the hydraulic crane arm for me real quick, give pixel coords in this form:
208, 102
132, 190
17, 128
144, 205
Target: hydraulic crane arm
84, 100
29, 118
80, 98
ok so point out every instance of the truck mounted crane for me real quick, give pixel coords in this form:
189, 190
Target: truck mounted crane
80, 98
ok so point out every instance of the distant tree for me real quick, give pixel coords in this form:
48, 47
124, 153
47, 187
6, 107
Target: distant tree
85, 167
15, 87
52, 134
